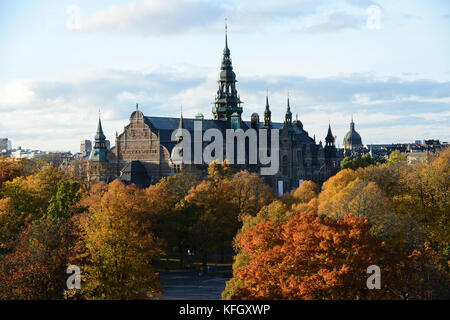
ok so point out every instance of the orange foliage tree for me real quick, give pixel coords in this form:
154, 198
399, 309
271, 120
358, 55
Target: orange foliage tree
37, 267
313, 257
11, 168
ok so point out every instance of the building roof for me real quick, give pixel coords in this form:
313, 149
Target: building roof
135, 172
352, 139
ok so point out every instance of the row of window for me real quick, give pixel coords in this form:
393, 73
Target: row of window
133, 133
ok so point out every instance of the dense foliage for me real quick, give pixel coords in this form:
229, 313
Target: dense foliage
318, 245
313, 243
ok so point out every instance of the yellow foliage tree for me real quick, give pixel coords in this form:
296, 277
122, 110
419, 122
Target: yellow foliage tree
119, 249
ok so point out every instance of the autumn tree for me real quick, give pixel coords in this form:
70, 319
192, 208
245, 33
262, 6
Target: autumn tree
169, 218
24, 200
216, 218
119, 249
36, 269
249, 192
220, 202
312, 257
219, 171
11, 168
425, 195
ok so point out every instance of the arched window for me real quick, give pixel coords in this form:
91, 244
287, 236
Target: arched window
285, 165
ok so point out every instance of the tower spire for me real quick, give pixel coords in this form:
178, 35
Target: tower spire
100, 135
180, 125
99, 151
288, 116
226, 34
227, 100
267, 113
329, 139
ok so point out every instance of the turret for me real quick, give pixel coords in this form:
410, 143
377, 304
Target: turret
99, 152
329, 139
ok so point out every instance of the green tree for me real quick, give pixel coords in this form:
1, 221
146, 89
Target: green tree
63, 202
358, 162
397, 156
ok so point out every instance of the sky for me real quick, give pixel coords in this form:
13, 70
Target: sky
384, 62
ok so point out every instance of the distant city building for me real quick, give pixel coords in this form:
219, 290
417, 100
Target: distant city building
20, 153
421, 156
86, 147
431, 143
416, 151
5, 145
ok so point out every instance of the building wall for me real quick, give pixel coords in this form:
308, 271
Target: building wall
139, 142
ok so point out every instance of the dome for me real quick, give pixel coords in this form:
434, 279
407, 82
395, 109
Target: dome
352, 139
137, 114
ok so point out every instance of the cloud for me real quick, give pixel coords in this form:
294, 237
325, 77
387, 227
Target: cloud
173, 17
154, 17
362, 3
337, 21
58, 114
16, 93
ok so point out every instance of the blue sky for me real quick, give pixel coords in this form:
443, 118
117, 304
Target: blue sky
385, 62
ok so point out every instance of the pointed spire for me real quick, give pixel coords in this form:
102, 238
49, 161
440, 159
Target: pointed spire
226, 51
180, 125
99, 151
226, 34
288, 104
329, 139
267, 113
137, 106
100, 135
288, 117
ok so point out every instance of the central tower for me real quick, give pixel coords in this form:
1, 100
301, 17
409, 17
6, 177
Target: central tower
227, 100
